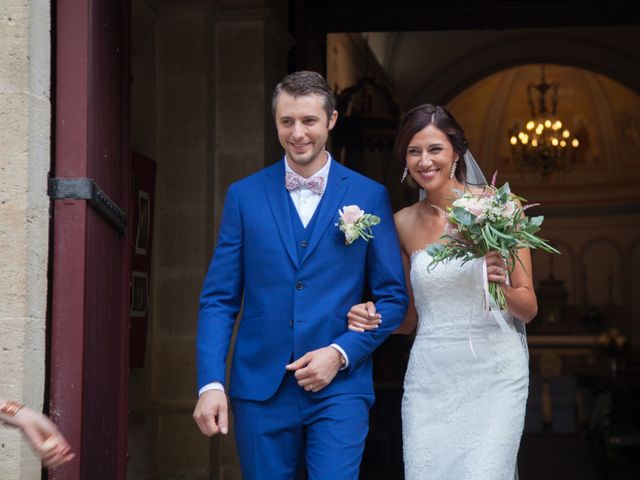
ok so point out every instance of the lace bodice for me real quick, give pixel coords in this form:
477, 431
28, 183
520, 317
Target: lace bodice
447, 296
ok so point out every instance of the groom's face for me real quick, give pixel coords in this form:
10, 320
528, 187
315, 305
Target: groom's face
303, 128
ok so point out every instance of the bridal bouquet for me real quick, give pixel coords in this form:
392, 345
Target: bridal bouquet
491, 220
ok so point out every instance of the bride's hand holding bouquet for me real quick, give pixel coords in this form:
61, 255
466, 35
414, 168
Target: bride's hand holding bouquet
491, 220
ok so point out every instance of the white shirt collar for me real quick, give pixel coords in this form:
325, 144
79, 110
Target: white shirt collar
323, 172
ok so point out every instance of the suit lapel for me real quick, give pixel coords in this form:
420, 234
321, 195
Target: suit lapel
278, 201
337, 184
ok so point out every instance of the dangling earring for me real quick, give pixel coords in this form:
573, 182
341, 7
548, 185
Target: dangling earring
404, 174
453, 169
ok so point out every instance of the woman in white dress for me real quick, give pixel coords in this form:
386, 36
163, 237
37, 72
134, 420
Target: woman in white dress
466, 384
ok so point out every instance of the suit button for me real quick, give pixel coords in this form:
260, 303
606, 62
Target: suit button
299, 286
303, 244
291, 323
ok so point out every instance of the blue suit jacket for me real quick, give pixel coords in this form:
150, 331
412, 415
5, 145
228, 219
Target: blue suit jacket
291, 305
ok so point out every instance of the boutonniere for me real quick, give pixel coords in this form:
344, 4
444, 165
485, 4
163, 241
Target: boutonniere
354, 223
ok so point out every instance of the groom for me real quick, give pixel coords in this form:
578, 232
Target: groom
301, 384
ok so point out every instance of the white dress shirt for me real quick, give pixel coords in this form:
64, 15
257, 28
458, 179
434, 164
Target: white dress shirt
305, 200
306, 203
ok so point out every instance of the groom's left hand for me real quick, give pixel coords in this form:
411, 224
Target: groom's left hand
316, 369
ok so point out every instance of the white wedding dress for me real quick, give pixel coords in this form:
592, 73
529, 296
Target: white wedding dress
462, 414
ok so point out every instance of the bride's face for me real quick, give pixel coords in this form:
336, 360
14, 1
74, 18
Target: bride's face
430, 156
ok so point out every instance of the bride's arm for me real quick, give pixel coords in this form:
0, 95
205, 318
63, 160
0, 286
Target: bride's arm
405, 226
363, 317
520, 295
411, 318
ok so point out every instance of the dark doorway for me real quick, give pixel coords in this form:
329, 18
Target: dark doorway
585, 453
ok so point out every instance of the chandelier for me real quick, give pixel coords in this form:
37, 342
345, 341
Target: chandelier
544, 144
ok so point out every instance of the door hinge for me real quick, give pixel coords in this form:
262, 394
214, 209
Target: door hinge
86, 189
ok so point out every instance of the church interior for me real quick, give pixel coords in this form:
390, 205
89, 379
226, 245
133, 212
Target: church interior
576, 360
202, 75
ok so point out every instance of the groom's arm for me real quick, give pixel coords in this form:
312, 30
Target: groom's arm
387, 284
221, 296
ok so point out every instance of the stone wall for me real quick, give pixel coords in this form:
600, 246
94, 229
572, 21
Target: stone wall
25, 126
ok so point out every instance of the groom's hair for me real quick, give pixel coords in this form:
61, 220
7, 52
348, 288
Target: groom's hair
302, 83
420, 118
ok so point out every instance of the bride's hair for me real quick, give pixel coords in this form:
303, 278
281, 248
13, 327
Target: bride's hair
422, 116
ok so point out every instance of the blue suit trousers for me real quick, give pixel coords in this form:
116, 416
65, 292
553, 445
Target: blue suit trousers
277, 437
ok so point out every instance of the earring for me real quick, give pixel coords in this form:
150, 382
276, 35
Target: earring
453, 169
404, 174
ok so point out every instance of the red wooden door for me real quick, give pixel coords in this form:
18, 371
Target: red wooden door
91, 242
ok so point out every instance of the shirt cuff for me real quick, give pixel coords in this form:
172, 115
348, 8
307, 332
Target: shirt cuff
211, 386
343, 353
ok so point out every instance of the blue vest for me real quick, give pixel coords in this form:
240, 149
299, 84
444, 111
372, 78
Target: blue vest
301, 234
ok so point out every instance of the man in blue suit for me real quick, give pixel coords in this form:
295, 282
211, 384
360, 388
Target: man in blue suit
301, 384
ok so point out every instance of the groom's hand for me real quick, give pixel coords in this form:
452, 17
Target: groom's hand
315, 370
211, 413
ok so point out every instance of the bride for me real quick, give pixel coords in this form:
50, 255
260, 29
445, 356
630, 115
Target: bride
466, 384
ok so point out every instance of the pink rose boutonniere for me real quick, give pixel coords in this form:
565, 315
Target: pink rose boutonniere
355, 223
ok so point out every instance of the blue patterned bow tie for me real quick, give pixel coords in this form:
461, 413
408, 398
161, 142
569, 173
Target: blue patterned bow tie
293, 181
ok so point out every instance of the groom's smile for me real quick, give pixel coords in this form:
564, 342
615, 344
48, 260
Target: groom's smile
300, 148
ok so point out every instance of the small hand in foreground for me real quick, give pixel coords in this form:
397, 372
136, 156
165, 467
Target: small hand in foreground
315, 370
364, 317
497, 270
44, 437
211, 413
